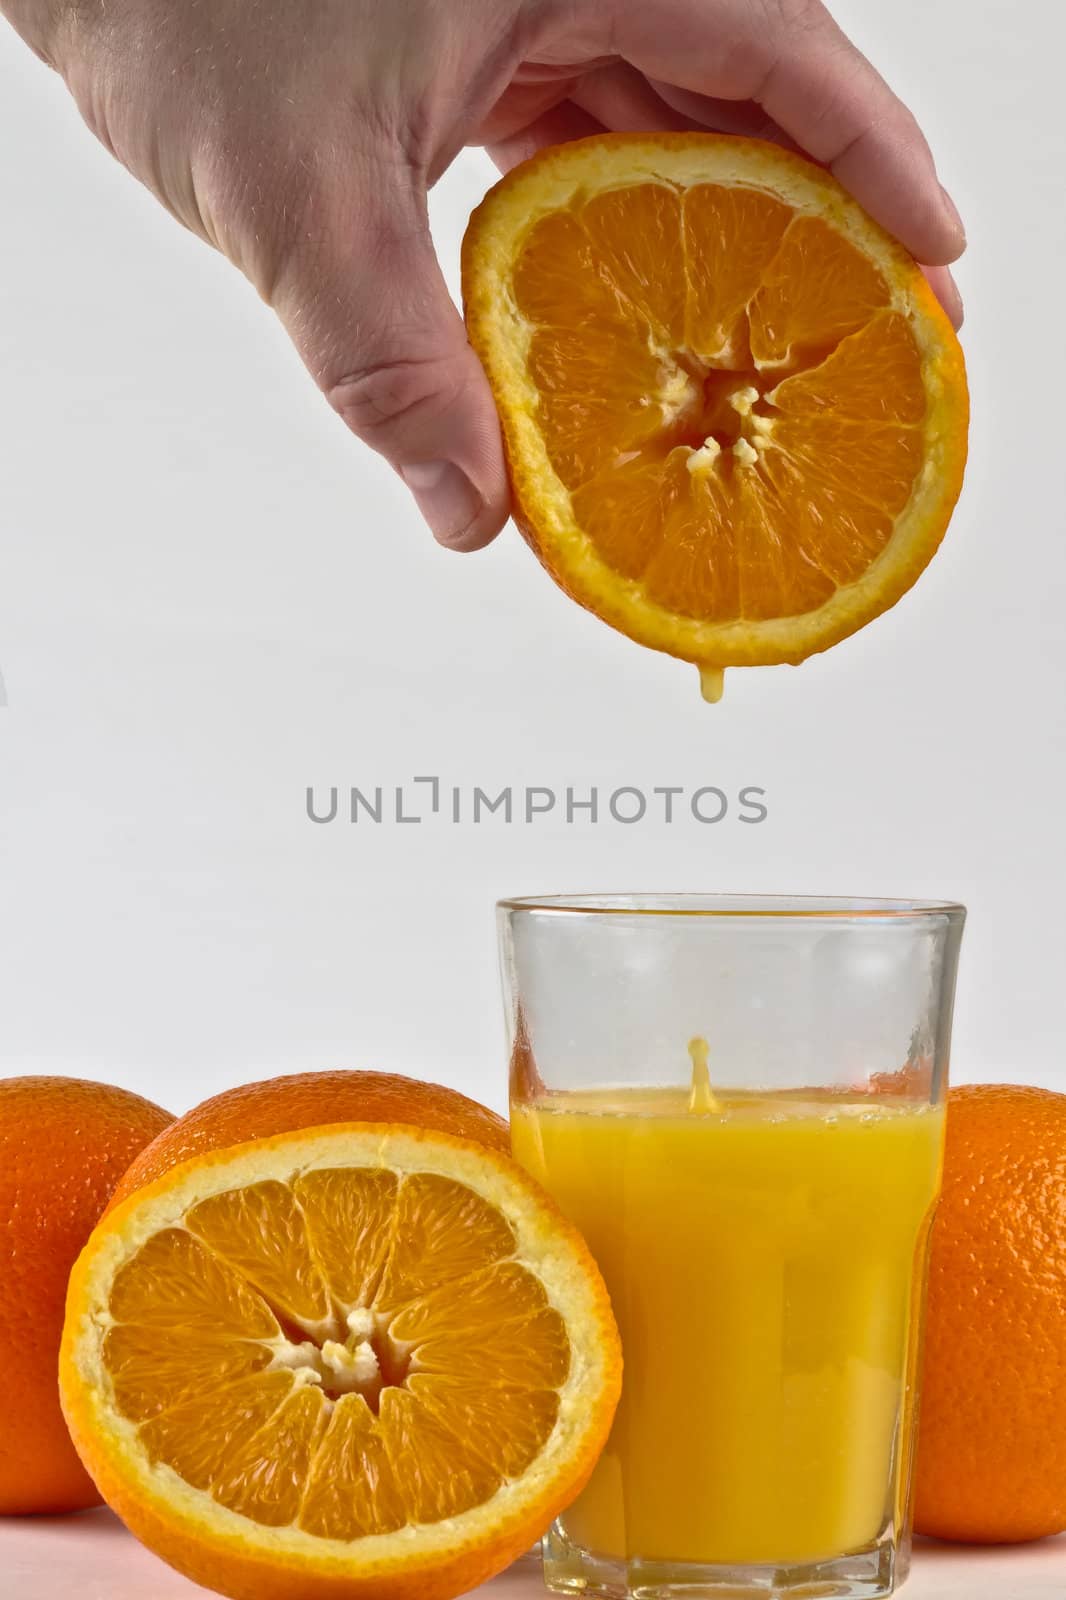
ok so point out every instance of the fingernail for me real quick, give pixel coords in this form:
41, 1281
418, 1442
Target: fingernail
956, 310
446, 497
953, 213
947, 292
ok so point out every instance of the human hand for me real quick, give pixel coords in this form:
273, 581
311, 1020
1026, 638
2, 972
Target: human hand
300, 138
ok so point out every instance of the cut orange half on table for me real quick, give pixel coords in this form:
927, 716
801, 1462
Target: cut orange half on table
734, 412
359, 1362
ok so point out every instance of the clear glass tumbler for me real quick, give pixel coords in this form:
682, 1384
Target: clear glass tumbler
739, 1101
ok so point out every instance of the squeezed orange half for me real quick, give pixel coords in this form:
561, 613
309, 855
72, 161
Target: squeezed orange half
734, 413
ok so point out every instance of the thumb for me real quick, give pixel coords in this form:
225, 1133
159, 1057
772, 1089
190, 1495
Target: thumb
369, 312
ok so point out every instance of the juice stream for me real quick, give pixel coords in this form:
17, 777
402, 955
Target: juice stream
764, 1256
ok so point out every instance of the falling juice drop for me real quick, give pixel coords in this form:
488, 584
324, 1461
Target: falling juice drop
701, 1098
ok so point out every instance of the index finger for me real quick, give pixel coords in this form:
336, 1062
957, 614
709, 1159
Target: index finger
790, 57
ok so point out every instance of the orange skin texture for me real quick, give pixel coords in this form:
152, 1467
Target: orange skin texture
992, 1436
64, 1144
241, 1571
310, 1100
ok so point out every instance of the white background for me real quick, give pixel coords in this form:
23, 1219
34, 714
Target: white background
211, 597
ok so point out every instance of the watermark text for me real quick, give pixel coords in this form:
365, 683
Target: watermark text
430, 799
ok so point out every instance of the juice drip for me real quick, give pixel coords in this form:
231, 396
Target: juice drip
701, 1098
712, 684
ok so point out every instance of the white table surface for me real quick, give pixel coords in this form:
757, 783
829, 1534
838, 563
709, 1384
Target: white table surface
91, 1557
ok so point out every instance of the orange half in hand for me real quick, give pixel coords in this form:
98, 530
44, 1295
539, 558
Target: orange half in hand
358, 1362
734, 412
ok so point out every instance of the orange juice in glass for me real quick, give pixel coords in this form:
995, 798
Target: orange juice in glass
739, 1102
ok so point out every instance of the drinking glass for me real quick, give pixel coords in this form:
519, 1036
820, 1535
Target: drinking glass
739, 1101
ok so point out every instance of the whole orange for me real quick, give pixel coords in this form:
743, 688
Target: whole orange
311, 1100
992, 1436
64, 1144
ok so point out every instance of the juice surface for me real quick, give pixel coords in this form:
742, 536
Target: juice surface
765, 1261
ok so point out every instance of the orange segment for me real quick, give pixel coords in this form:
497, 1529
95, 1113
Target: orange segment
410, 1368
150, 1375
874, 461
350, 1220
198, 1437
775, 567
734, 414
624, 513
500, 1323
261, 1232
815, 290
556, 278
829, 527
590, 315
584, 437
177, 1282
468, 1409
731, 237
265, 1477
443, 1232
683, 574
586, 430
441, 1475
840, 485
631, 233
873, 375
351, 1489
496, 1297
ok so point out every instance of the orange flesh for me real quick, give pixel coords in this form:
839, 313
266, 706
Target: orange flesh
348, 1353
717, 373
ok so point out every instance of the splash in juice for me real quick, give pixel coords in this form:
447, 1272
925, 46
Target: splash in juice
764, 1255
